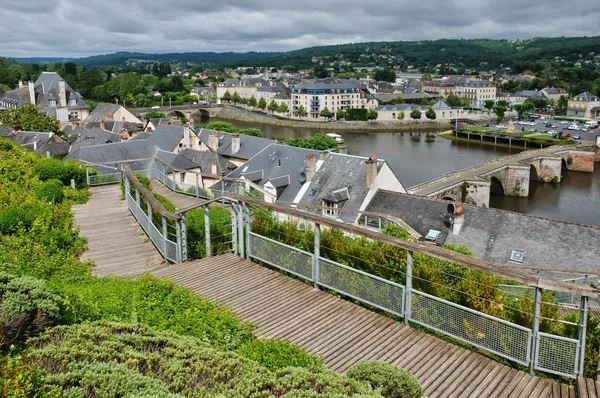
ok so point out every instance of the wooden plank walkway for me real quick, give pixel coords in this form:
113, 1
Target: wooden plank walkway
116, 242
283, 308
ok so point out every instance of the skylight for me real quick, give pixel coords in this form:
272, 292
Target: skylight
516, 256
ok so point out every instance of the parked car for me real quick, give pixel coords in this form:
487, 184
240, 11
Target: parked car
156, 107
574, 127
533, 130
501, 126
564, 122
567, 135
553, 132
576, 136
554, 126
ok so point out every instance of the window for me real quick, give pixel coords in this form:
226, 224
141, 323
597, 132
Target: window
330, 208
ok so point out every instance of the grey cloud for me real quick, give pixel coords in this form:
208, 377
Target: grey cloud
74, 28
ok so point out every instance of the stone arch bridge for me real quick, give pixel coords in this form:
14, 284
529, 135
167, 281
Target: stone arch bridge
508, 175
181, 110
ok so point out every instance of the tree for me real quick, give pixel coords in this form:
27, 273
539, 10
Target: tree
415, 114
488, 104
385, 75
235, 98
226, 97
340, 114
502, 103
520, 109
372, 114
252, 101
272, 106
326, 113
262, 103
301, 111
426, 76
176, 84
141, 100
320, 142
29, 118
561, 105
282, 108
401, 115
453, 100
499, 111
154, 115
430, 114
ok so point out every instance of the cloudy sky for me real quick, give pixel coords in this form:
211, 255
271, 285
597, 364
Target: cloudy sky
81, 28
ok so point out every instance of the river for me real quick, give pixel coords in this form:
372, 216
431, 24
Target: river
418, 158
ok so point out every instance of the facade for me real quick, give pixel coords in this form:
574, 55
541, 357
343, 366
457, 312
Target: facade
437, 88
443, 111
477, 91
51, 95
585, 105
554, 93
334, 96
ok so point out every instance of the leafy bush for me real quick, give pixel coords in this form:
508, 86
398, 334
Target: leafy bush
220, 228
27, 307
319, 142
48, 169
155, 302
357, 114
18, 380
101, 359
165, 202
51, 191
15, 217
145, 181
275, 354
393, 381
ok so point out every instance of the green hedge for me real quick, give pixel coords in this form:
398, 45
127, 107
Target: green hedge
276, 354
353, 114
51, 191
392, 381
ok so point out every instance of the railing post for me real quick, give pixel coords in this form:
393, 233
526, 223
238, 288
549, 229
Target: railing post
184, 251
241, 230
87, 175
535, 328
138, 199
149, 208
583, 313
316, 254
165, 234
207, 231
247, 236
408, 288
234, 228
197, 185
178, 240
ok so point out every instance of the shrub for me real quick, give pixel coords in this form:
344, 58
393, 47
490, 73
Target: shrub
17, 380
276, 354
15, 217
145, 181
51, 191
165, 202
394, 382
100, 359
26, 308
48, 169
220, 227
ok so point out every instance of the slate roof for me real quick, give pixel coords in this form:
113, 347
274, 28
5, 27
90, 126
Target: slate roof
529, 94
249, 145
167, 138
95, 136
586, 96
48, 87
274, 162
340, 178
441, 105
44, 142
115, 153
206, 159
492, 234
176, 160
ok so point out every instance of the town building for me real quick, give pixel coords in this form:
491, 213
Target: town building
51, 95
315, 97
585, 105
554, 93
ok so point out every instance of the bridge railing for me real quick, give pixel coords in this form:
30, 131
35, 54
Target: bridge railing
166, 230
524, 345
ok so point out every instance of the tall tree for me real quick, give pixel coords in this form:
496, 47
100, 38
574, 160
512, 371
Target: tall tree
29, 118
226, 97
415, 114
272, 106
499, 111
488, 104
372, 114
282, 108
252, 101
262, 103
235, 98
301, 111
430, 114
326, 113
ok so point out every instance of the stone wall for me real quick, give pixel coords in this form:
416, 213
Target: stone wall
580, 161
514, 179
473, 192
548, 169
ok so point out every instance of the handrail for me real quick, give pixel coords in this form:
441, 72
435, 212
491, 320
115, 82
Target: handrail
149, 197
431, 250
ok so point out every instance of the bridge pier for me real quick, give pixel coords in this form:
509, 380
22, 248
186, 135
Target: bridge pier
546, 169
510, 180
474, 192
577, 160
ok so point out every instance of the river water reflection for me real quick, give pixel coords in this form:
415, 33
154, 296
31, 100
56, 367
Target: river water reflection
418, 158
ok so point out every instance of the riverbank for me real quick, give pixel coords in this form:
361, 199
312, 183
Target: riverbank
232, 113
532, 141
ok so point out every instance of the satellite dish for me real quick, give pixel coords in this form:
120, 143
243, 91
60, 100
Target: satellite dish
302, 178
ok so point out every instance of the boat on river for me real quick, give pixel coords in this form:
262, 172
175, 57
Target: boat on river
338, 138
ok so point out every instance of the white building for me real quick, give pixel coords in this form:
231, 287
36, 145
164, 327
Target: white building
315, 97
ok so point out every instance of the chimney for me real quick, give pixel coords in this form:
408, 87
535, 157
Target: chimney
213, 141
371, 171
235, 143
102, 124
323, 155
32, 93
62, 93
186, 136
213, 168
458, 219
310, 166
20, 83
342, 149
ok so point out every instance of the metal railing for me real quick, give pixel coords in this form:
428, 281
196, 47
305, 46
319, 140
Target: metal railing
523, 345
166, 230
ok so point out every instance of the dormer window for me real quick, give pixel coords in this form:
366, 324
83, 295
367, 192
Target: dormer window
72, 101
52, 102
330, 208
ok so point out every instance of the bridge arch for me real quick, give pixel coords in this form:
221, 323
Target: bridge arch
204, 112
179, 114
449, 198
496, 186
533, 173
563, 164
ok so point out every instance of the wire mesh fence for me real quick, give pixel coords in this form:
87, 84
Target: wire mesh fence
287, 258
557, 355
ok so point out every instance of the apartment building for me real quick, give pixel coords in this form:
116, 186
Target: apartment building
585, 105
315, 97
477, 91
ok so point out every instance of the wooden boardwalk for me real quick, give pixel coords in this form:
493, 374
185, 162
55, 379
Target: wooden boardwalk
283, 308
116, 242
